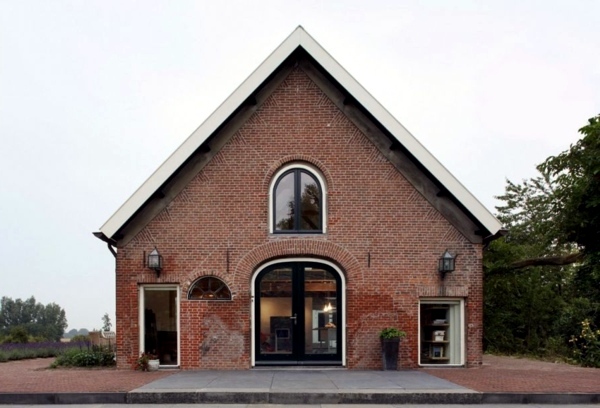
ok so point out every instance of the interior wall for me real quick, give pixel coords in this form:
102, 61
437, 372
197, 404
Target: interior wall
273, 307
163, 304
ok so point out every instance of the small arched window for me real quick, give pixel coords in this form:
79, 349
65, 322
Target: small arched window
297, 201
209, 288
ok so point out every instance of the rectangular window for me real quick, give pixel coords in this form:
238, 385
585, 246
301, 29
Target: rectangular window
441, 332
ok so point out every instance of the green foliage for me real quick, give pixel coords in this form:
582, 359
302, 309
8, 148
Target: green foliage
42, 322
85, 357
576, 180
143, 362
520, 311
106, 324
530, 306
391, 333
17, 334
587, 345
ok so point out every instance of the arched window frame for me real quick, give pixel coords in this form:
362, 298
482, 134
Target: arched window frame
314, 172
197, 281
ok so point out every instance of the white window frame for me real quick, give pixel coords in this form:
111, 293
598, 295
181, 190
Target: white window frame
461, 330
141, 295
313, 172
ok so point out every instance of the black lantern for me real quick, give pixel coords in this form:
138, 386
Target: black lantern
446, 263
155, 261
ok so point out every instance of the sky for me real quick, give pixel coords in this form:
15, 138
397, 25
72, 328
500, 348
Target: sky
95, 95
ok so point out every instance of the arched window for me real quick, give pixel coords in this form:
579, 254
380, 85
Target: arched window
209, 288
297, 201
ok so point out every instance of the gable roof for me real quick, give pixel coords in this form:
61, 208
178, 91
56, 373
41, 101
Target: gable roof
299, 39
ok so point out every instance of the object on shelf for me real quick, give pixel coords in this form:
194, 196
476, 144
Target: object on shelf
438, 335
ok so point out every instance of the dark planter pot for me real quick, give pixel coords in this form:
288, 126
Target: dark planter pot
389, 353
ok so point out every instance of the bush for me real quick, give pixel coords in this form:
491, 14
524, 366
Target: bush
85, 357
18, 334
587, 345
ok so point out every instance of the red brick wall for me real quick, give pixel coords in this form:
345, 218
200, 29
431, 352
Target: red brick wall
371, 209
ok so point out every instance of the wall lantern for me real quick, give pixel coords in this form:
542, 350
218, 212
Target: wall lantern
155, 261
446, 263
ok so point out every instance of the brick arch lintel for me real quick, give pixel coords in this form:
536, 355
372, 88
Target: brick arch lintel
297, 158
302, 247
196, 275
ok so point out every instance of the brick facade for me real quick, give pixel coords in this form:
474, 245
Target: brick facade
381, 232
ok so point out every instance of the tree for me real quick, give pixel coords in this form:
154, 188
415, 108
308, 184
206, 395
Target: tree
576, 179
542, 279
576, 174
106, 324
45, 322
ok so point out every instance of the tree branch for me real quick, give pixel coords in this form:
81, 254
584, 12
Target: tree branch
549, 260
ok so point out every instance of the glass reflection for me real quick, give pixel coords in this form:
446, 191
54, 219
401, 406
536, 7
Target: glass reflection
310, 203
284, 203
320, 301
275, 310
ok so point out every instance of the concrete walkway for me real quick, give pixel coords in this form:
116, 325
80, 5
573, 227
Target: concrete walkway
301, 387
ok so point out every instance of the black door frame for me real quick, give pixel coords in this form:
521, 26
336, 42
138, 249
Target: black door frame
298, 355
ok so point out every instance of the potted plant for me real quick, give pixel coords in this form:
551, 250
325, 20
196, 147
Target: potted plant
390, 342
147, 362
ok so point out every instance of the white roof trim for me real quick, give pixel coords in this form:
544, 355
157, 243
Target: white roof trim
298, 38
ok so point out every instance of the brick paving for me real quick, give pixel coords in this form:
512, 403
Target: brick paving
32, 376
510, 374
498, 374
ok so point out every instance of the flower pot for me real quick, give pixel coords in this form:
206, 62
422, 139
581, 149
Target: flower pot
153, 365
389, 353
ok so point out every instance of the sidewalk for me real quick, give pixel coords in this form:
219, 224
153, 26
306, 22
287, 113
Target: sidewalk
500, 380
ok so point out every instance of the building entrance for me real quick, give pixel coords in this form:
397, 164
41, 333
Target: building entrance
298, 314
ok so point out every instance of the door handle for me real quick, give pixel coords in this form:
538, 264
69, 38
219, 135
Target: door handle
294, 318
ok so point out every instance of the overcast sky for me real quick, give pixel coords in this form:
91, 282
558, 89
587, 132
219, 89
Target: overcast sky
95, 95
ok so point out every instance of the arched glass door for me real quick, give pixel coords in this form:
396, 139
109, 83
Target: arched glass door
298, 314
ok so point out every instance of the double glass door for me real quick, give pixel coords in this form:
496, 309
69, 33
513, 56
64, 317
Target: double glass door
298, 315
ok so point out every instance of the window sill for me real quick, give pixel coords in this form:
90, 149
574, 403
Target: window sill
296, 234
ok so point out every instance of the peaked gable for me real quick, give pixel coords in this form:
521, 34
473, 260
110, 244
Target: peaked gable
428, 176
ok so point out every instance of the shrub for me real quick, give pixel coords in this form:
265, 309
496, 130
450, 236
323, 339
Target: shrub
391, 333
18, 334
587, 345
93, 357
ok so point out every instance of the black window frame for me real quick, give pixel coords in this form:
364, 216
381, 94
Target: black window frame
298, 171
